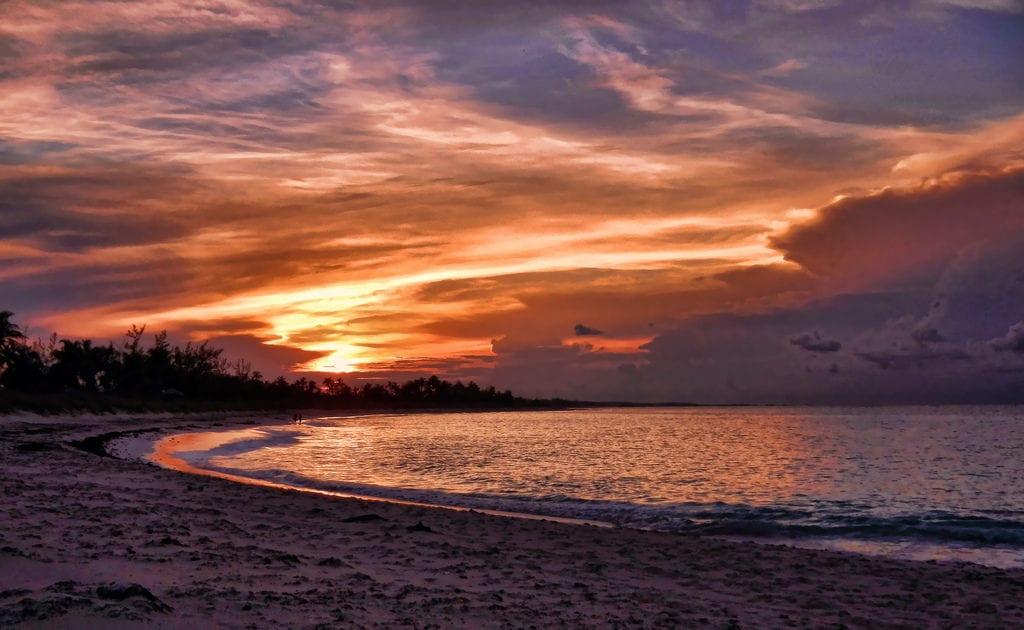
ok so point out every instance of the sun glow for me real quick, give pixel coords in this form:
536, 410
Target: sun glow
350, 320
343, 360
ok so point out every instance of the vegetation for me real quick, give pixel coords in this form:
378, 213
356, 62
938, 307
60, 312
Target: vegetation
59, 374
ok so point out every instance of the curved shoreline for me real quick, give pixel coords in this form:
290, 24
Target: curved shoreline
187, 551
908, 547
165, 450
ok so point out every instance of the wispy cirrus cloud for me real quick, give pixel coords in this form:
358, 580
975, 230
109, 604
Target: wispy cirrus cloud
402, 187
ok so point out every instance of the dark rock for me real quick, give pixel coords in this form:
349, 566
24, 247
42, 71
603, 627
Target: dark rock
419, 527
120, 592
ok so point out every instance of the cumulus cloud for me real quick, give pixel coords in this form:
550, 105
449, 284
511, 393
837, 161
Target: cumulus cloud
813, 342
929, 336
1012, 341
861, 241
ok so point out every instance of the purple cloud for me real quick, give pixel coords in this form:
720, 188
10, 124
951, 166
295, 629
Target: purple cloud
1012, 341
812, 342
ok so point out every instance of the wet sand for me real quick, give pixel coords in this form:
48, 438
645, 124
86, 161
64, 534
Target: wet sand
88, 540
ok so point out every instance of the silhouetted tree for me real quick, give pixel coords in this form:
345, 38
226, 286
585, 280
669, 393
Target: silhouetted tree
10, 333
305, 387
80, 365
242, 369
199, 372
158, 362
11, 338
23, 370
337, 389
45, 350
134, 378
196, 369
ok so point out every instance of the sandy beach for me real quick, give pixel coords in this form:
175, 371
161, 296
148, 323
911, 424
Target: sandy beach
90, 540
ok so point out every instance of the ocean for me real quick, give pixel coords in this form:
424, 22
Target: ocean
925, 483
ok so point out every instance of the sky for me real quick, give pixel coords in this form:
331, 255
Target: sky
720, 201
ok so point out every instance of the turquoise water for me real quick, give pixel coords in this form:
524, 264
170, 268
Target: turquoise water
943, 483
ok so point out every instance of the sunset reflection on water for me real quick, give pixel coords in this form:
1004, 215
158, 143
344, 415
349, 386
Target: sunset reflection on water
873, 460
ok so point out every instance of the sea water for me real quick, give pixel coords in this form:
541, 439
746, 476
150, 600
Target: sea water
928, 483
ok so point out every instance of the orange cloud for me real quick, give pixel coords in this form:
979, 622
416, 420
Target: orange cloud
403, 188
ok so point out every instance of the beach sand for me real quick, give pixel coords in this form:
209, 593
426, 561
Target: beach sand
93, 541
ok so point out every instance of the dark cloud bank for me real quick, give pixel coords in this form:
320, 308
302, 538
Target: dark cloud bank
918, 298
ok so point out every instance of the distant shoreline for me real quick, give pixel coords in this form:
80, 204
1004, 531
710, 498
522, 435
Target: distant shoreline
13, 403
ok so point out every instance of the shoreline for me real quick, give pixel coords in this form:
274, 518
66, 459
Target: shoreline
205, 551
904, 546
165, 449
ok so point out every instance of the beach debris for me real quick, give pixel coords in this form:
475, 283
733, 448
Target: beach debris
363, 518
419, 527
120, 591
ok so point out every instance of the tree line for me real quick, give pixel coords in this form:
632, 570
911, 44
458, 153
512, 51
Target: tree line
77, 373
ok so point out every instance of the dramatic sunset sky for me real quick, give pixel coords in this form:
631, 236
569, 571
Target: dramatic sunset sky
710, 201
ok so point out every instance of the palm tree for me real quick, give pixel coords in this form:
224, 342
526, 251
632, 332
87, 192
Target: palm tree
10, 341
10, 332
10, 337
